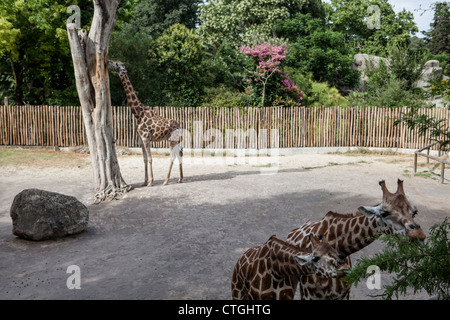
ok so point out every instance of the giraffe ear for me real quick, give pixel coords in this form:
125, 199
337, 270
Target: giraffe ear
369, 211
304, 259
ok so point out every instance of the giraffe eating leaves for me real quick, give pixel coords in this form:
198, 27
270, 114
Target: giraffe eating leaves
349, 233
265, 272
151, 127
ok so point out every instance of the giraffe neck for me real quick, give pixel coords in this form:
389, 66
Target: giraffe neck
350, 235
137, 108
282, 259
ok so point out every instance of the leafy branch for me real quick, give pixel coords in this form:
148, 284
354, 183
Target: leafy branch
417, 265
439, 131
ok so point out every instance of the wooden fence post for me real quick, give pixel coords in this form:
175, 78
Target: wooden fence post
55, 129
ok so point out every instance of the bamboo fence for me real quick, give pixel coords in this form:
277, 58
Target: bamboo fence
232, 128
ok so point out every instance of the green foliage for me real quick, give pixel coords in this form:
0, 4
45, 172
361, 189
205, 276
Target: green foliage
179, 53
317, 50
222, 66
356, 22
323, 95
35, 62
392, 94
153, 17
417, 265
437, 130
249, 22
147, 80
34, 44
439, 36
223, 97
440, 87
240, 21
392, 83
406, 64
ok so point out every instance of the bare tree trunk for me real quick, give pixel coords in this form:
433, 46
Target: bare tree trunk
90, 61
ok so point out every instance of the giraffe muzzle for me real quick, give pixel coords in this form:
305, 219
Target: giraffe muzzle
342, 270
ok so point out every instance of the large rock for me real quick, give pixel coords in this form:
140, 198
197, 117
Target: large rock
431, 71
40, 215
363, 61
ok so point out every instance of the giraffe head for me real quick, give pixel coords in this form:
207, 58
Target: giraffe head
117, 66
396, 213
324, 260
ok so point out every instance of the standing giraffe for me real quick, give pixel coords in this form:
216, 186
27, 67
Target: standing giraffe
151, 127
264, 272
349, 233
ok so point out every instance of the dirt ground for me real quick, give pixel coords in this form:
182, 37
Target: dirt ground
181, 241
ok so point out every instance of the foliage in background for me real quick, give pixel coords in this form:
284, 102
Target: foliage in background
355, 21
240, 21
417, 265
393, 82
35, 63
153, 17
319, 51
249, 22
34, 44
132, 49
440, 87
437, 129
179, 53
438, 37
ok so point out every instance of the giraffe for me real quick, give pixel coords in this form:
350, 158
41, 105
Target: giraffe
265, 272
151, 127
349, 233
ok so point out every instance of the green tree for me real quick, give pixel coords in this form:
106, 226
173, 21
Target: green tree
359, 22
406, 64
35, 62
246, 22
438, 37
418, 266
179, 54
34, 43
153, 17
147, 78
319, 51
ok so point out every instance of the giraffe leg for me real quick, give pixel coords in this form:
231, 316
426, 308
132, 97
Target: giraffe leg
144, 154
147, 159
180, 161
172, 158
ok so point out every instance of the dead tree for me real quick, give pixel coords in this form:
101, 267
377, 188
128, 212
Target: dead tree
90, 61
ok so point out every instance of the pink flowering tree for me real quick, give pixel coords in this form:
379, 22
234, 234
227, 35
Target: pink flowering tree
267, 72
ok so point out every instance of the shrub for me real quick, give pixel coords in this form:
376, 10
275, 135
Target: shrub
179, 54
225, 97
419, 266
265, 74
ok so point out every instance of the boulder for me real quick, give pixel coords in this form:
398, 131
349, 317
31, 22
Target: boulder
363, 61
40, 215
431, 70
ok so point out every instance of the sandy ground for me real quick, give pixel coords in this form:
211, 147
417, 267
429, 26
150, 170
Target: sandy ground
181, 241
